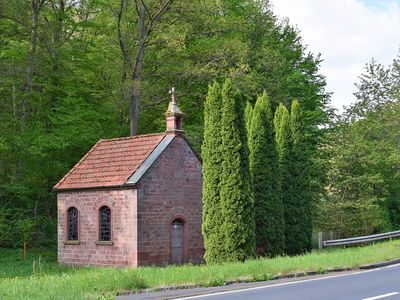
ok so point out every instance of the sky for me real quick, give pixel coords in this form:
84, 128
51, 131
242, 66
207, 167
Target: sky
348, 34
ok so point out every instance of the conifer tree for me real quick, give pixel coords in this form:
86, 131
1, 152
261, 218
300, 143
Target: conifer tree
282, 132
237, 205
283, 145
298, 219
264, 169
211, 153
247, 116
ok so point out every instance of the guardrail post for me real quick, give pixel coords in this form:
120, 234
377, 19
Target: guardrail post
320, 242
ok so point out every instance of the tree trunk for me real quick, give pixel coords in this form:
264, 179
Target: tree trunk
126, 64
56, 47
137, 70
14, 102
36, 6
145, 23
27, 87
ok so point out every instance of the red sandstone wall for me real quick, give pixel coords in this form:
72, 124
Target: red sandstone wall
124, 234
171, 188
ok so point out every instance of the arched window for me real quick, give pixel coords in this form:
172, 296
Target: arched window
72, 215
105, 224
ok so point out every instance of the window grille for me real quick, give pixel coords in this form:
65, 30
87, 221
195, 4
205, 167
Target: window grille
105, 223
72, 224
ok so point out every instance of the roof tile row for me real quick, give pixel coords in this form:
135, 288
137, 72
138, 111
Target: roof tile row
110, 162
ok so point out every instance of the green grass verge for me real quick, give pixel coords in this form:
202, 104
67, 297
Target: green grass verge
39, 277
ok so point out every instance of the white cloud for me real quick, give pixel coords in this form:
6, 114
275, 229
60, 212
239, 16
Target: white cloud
347, 33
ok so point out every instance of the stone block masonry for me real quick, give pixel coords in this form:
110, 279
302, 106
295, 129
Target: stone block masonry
123, 247
171, 189
141, 216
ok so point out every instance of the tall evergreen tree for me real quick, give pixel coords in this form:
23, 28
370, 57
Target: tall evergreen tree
264, 169
211, 153
248, 114
237, 205
298, 217
283, 145
282, 132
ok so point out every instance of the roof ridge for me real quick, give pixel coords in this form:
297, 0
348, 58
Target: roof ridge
150, 155
132, 137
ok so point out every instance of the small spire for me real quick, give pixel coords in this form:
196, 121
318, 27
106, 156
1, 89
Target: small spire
173, 107
172, 92
174, 116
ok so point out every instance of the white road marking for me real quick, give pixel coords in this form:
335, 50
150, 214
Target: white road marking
288, 283
382, 296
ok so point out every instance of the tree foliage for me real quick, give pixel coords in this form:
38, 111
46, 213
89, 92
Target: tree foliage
282, 134
283, 145
248, 115
298, 217
363, 186
265, 174
237, 203
212, 168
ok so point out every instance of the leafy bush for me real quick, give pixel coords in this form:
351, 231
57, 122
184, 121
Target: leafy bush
24, 217
4, 228
348, 219
15, 228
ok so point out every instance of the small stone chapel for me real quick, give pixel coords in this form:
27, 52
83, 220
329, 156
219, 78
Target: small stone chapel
133, 201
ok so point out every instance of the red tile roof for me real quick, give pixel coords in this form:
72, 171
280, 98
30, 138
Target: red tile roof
110, 162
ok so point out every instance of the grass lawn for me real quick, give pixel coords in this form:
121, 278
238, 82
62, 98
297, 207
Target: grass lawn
39, 276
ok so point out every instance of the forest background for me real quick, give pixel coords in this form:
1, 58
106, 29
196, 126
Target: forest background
72, 72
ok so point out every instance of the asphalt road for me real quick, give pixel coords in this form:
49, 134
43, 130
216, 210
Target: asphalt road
382, 283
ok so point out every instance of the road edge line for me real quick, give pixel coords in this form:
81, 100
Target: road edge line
276, 277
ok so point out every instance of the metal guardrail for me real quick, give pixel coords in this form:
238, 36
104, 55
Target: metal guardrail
362, 239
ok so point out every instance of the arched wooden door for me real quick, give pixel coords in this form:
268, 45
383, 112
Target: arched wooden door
177, 241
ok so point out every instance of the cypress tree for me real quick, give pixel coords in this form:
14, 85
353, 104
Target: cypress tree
247, 116
300, 220
211, 154
236, 195
283, 145
264, 169
282, 132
